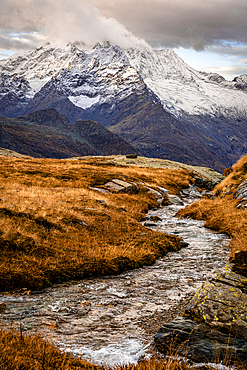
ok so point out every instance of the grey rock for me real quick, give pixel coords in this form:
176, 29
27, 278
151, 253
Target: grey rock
163, 190
100, 190
202, 182
102, 201
127, 186
192, 191
119, 186
154, 192
174, 199
241, 195
199, 342
150, 224
241, 191
222, 304
114, 187
215, 322
242, 205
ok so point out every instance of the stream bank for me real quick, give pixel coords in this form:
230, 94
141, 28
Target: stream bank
112, 320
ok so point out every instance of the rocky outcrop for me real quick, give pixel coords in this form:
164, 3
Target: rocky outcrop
241, 195
214, 326
191, 192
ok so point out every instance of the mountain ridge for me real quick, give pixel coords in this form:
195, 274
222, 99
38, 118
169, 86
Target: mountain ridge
112, 86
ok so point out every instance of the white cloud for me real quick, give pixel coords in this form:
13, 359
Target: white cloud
62, 21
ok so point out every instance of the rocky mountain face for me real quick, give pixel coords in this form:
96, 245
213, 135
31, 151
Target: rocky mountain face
48, 134
164, 108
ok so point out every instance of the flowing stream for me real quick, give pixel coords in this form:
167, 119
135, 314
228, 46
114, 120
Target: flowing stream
112, 320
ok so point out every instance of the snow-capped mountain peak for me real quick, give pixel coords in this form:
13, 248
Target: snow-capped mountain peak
182, 89
105, 71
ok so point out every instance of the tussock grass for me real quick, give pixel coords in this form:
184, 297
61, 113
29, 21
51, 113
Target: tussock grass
31, 353
236, 174
22, 352
55, 228
221, 213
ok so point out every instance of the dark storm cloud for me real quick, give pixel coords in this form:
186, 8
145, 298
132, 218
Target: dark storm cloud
186, 23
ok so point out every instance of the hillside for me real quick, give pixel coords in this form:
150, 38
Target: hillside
57, 216
48, 134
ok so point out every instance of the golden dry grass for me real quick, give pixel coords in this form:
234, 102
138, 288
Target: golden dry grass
55, 228
31, 353
21, 352
221, 213
236, 175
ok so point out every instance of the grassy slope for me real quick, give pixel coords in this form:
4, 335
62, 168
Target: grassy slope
41, 204
44, 205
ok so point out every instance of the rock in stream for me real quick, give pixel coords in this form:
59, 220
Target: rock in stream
214, 325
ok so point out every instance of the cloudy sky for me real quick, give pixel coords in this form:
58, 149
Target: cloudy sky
210, 35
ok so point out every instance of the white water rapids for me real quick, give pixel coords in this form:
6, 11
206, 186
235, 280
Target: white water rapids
112, 320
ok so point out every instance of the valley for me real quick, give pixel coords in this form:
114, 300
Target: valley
151, 98
77, 247
122, 244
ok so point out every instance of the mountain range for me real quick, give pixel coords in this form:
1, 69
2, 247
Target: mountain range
151, 98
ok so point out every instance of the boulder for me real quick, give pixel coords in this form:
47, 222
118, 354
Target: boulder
120, 186
160, 196
174, 199
155, 193
191, 191
222, 303
100, 190
199, 342
204, 183
214, 326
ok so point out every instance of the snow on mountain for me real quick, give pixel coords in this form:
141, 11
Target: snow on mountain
106, 73
151, 98
183, 89
85, 77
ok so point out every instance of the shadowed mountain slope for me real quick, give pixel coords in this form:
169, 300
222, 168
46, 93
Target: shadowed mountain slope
48, 134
